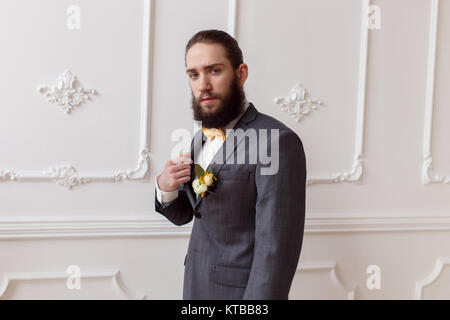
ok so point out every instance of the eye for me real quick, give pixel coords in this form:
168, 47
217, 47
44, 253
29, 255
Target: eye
216, 71
192, 75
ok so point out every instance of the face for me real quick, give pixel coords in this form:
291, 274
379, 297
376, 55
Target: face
217, 87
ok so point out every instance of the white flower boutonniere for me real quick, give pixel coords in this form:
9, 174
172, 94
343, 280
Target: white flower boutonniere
204, 180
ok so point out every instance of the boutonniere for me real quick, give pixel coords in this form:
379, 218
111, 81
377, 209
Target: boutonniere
204, 180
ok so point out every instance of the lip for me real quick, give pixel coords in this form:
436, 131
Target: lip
207, 99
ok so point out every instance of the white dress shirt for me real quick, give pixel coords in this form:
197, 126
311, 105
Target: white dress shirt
203, 158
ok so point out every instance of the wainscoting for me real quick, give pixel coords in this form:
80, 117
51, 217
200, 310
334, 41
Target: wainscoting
91, 92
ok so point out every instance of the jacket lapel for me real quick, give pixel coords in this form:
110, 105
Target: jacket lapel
196, 145
249, 115
242, 124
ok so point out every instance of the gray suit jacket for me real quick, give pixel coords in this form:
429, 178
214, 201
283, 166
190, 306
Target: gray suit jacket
247, 236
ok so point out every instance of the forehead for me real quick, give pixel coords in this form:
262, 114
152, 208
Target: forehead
204, 54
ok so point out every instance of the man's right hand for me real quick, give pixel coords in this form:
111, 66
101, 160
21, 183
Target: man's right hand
175, 173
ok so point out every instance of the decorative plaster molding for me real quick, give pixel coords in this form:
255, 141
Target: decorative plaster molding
117, 283
8, 175
66, 176
441, 263
66, 93
299, 104
317, 223
353, 176
75, 227
68, 96
428, 174
142, 226
232, 18
139, 173
329, 267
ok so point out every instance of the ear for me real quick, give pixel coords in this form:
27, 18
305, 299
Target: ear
242, 73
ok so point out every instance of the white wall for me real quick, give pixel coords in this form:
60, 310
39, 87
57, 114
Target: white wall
377, 146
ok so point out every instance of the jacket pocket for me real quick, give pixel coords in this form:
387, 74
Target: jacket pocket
231, 276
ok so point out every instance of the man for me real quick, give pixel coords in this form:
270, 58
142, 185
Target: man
248, 228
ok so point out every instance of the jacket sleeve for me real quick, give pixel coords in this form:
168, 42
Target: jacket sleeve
279, 222
179, 211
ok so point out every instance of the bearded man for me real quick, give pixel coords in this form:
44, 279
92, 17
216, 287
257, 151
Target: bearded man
249, 220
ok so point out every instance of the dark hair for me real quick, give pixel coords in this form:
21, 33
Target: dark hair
233, 52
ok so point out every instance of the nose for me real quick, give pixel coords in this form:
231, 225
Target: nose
205, 84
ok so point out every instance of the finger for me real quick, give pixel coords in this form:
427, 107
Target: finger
183, 173
183, 180
182, 166
178, 167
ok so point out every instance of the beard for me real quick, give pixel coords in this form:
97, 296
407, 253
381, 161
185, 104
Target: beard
228, 109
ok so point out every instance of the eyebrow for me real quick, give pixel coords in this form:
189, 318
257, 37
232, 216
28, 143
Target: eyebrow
207, 67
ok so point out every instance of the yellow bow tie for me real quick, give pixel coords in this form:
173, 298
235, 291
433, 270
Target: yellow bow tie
211, 133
